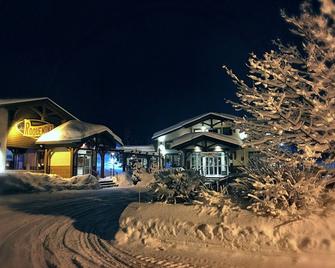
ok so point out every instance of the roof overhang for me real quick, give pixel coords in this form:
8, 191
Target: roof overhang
75, 131
17, 103
193, 138
139, 149
194, 120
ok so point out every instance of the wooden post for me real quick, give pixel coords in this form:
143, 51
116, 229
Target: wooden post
3, 138
102, 168
46, 161
71, 161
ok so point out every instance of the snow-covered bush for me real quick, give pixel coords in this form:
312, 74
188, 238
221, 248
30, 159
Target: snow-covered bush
276, 189
290, 105
291, 93
176, 186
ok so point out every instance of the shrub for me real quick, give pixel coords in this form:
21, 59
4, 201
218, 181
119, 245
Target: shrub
177, 186
275, 189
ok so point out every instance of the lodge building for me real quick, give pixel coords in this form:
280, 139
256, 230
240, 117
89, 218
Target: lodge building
207, 143
37, 134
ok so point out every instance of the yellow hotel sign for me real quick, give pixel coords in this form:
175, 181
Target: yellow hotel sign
34, 128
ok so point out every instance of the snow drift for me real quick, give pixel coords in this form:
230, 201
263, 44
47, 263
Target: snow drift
163, 226
26, 182
124, 180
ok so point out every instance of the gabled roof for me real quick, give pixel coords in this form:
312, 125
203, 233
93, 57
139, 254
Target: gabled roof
74, 131
8, 102
192, 120
212, 135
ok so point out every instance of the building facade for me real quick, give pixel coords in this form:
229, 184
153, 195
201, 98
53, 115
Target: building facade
207, 143
145, 155
38, 135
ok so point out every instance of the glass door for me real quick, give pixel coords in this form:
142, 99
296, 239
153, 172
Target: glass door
214, 165
210, 164
84, 162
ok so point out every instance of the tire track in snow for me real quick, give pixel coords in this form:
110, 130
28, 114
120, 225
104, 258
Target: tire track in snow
68, 229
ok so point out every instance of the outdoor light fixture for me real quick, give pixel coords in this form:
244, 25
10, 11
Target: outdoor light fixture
161, 138
197, 149
218, 149
242, 135
162, 150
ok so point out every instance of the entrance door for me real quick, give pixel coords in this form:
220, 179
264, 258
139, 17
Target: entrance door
84, 164
214, 165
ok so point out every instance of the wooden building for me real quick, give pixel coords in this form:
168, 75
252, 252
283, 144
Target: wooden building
146, 155
39, 135
206, 143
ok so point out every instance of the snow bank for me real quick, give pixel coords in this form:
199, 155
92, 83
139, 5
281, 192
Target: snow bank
26, 182
164, 226
124, 180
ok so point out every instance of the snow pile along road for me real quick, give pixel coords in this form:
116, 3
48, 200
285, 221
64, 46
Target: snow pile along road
164, 226
124, 180
26, 182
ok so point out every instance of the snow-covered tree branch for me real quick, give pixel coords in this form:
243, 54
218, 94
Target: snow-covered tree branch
291, 96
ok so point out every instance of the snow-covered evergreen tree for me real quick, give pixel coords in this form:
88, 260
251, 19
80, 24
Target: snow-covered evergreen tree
291, 97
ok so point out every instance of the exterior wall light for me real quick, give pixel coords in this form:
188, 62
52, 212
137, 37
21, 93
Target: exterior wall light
197, 149
161, 138
218, 149
162, 150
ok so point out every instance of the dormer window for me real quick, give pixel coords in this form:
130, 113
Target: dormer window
227, 131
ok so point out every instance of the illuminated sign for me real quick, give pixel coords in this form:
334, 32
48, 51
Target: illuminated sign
33, 128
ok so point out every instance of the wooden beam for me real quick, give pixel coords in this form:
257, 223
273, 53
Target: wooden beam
71, 161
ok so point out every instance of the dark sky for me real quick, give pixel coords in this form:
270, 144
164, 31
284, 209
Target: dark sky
135, 66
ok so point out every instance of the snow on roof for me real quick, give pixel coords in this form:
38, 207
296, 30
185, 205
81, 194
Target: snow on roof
191, 136
188, 121
4, 102
74, 131
141, 148
14, 101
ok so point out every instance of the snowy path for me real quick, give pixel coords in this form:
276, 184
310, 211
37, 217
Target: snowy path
64, 229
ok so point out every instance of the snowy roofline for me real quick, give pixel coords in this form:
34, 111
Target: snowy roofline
142, 148
139, 149
191, 136
4, 102
74, 131
188, 121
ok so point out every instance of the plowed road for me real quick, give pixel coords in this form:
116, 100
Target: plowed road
64, 229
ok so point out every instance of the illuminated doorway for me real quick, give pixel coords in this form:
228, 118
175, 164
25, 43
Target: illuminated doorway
84, 162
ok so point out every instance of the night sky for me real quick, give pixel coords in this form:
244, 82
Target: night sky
135, 66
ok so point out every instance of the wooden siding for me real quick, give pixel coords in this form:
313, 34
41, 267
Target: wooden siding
63, 171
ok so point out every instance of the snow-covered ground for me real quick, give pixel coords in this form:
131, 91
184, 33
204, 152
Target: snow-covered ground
224, 238
109, 228
64, 229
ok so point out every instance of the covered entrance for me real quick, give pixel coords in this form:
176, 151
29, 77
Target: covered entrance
207, 152
211, 164
73, 148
